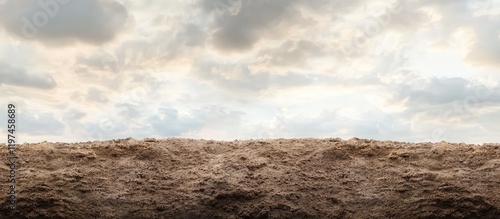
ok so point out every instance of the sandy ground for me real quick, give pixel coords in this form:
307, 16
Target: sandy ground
283, 178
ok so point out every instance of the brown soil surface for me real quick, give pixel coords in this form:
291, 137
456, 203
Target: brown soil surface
283, 178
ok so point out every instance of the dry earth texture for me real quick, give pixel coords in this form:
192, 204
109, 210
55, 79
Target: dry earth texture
282, 178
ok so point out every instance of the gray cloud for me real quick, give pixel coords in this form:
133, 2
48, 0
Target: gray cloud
452, 101
64, 21
437, 91
291, 54
240, 26
73, 114
191, 35
21, 77
167, 122
446, 90
236, 26
240, 80
36, 123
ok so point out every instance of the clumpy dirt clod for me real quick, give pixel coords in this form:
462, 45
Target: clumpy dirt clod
282, 178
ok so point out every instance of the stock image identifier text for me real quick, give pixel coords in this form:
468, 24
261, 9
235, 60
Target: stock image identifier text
11, 146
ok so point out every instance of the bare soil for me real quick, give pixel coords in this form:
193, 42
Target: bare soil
282, 178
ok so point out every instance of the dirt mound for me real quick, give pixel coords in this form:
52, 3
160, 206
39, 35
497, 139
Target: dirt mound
283, 178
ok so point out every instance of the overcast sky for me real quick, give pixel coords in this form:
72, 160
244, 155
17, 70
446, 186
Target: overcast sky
409, 70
